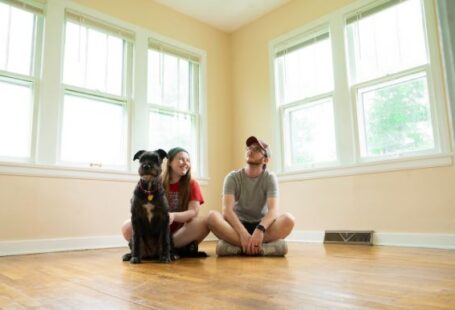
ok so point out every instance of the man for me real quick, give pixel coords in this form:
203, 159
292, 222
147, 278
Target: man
250, 223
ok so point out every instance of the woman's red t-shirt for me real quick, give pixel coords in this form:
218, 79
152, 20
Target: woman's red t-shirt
173, 199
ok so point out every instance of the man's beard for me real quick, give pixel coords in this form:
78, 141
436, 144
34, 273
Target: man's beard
254, 162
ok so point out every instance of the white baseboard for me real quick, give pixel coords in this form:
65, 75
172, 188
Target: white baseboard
419, 240
19, 247
306, 236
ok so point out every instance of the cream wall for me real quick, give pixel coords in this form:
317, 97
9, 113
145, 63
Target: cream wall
239, 104
410, 201
52, 208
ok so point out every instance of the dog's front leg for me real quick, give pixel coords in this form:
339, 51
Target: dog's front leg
165, 255
172, 247
136, 243
165, 235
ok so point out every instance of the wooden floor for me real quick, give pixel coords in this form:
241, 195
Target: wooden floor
310, 277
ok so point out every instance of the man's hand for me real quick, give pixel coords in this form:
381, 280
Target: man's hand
245, 239
255, 244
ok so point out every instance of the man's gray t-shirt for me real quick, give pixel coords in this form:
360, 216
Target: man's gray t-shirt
250, 193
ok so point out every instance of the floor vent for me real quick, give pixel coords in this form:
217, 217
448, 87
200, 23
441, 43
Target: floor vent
349, 236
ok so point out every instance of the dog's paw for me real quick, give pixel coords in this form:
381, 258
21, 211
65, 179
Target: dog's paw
135, 260
126, 257
201, 254
165, 259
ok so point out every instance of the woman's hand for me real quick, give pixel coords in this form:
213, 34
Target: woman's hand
171, 218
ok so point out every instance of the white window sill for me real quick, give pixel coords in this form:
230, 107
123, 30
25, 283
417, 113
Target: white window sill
38, 170
439, 160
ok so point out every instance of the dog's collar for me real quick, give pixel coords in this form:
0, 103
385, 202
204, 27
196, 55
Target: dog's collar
149, 193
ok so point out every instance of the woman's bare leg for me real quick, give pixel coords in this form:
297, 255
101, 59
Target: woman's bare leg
195, 230
127, 230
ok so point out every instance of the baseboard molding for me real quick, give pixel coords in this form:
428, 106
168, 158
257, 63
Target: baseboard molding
419, 240
20, 247
306, 236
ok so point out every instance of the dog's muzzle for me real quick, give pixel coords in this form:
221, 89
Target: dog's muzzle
147, 177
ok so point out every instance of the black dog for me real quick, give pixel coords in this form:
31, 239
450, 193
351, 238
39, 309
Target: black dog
150, 212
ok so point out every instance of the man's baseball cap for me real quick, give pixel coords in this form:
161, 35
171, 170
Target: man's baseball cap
263, 145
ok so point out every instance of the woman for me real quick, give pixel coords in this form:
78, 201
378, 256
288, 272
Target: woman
184, 195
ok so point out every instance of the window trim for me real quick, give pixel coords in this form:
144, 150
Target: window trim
98, 24
349, 152
33, 6
396, 164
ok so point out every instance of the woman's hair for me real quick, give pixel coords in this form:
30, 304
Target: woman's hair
184, 182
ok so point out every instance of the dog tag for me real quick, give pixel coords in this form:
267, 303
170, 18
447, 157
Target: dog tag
150, 197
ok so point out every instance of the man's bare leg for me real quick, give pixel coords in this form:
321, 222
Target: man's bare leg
281, 228
222, 229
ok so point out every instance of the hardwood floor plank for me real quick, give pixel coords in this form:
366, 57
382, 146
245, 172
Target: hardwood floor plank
309, 277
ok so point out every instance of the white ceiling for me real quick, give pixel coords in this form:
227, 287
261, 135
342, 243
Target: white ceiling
226, 15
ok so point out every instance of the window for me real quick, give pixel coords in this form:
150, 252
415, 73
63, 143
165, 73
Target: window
389, 70
394, 117
68, 106
304, 83
97, 89
20, 28
361, 85
174, 101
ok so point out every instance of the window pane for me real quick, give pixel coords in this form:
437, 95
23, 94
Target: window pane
305, 72
15, 120
168, 130
386, 42
75, 56
114, 65
4, 33
93, 131
93, 59
96, 60
169, 80
395, 117
310, 134
16, 39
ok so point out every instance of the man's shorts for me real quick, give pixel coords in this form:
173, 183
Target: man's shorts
250, 227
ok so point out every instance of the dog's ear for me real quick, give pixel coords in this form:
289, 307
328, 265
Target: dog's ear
162, 153
138, 154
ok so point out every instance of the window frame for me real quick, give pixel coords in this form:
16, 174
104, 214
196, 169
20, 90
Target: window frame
355, 89
33, 79
345, 103
123, 100
298, 38
304, 103
194, 112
